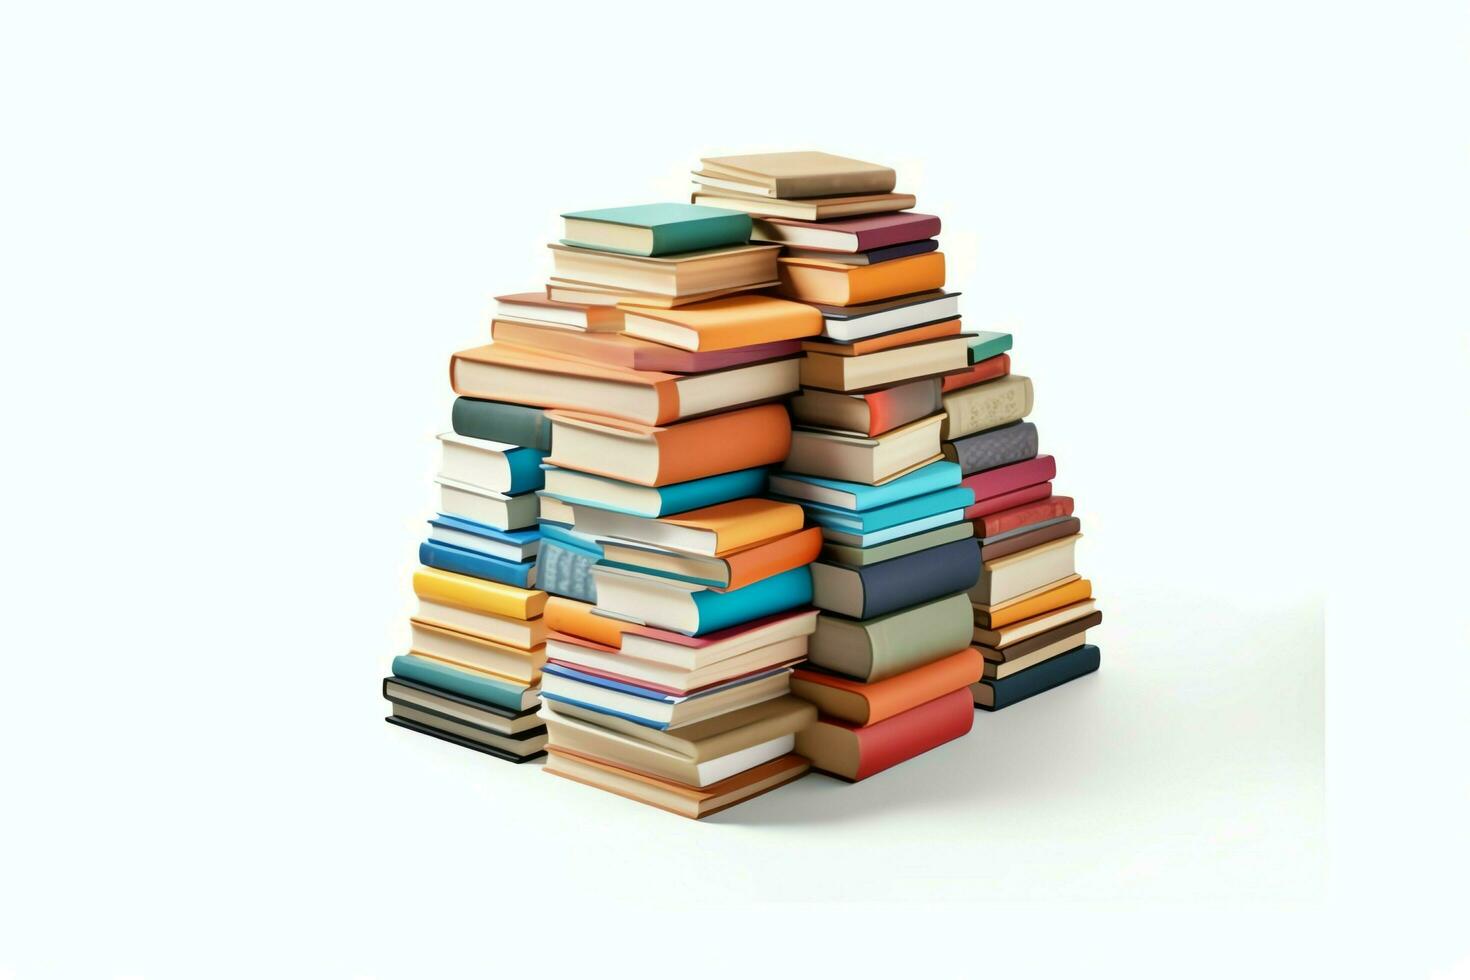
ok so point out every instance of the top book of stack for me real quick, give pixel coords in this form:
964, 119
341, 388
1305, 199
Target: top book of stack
805, 185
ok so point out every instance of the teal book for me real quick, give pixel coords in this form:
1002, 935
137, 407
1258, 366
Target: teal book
518, 425
857, 539
987, 344
720, 610
993, 695
470, 683
628, 498
844, 495
903, 512
656, 229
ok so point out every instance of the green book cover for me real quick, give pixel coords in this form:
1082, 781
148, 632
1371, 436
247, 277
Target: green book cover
516, 425
676, 227
987, 344
876, 649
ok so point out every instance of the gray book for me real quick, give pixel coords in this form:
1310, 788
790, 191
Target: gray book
993, 447
565, 572
875, 649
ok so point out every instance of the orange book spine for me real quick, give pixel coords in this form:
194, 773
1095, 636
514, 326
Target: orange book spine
721, 443
987, 370
764, 560
1062, 595
910, 689
575, 618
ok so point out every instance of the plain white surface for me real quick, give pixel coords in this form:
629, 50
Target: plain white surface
241, 242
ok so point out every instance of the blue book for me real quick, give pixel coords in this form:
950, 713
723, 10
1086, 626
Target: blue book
903, 512
860, 496
567, 535
576, 487
652, 709
451, 558
476, 462
704, 611
565, 569
868, 540
992, 695
470, 683
514, 546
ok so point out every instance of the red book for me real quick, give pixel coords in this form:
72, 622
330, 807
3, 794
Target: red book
1004, 479
1008, 520
849, 752
987, 370
1007, 500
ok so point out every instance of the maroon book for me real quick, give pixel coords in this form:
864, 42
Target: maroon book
1004, 479
1008, 520
848, 234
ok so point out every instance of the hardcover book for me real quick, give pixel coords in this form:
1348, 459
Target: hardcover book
537, 308
885, 341
796, 173
731, 570
485, 506
689, 609
869, 591
710, 531
871, 257
867, 413
495, 466
471, 683
1030, 536
576, 487
623, 351
729, 323
685, 276
861, 496
1005, 501
695, 653
849, 752
836, 284
1027, 607
1023, 515
512, 546
656, 709
477, 595
870, 539
988, 344
865, 459
861, 704
516, 425
992, 695
675, 797
876, 649
506, 721
656, 229
449, 558
987, 370
848, 234
579, 620
463, 650
993, 447
605, 661
861, 372
1025, 629
851, 323
521, 747
856, 556
1004, 579
1015, 476
890, 515
986, 406
1021, 651
807, 209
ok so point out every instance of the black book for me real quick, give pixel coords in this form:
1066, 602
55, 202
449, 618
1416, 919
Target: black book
996, 694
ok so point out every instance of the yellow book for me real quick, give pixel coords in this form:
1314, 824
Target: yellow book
836, 284
1032, 604
478, 595
723, 324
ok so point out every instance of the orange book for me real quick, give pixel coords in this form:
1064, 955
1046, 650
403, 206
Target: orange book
686, 801
655, 456
987, 370
576, 619
722, 324
723, 572
886, 341
992, 617
867, 704
709, 531
835, 284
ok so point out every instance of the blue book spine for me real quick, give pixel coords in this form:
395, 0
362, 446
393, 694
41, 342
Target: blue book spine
900, 513
902, 530
524, 536
477, 686
449, 558
564, 535
778, 593
927, 479
525, 470
1043, 677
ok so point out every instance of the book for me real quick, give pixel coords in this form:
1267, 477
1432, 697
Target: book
505, 721
1014, 476
660, 455
890, 515
565, 569
1058, 642
477, 684
464, 650
850, 752
986, 506
596, 658
865, 459
844, 699
512, 546
731, 570
631, 353
848, 234
869, 591
537, 308
797, 173
495, 466
1029, 536
858, 557
1002, 579
450, 558
852, 323
712, 738
835, 284
993, 447
1019, 651
516, 425
709, 531
1026, 628
861, 496
870, 257
478, 595
694, 653
598, 294
728, 323
884, 341
882, 647
675, 797
992, 695
868, 413
575, 487
522, 747
698, 761
523, 634
863, 372
485, 506
988, 344
1042, 601
808, 209
656, 229
696, 611
986, 406
682, 276
870, 539
1015, 517
579, 620
567, 535
987, 370
656, 709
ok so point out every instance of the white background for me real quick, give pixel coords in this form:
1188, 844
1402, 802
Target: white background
240, 242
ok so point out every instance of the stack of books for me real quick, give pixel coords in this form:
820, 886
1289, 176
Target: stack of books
891, 663
682, 601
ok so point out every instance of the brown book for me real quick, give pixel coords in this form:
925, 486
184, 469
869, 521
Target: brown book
1010, 544
873, 460
797, 173
865, 372
1024, 629
686, 801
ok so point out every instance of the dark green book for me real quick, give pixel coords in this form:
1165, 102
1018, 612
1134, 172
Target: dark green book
516, 425
1064, 667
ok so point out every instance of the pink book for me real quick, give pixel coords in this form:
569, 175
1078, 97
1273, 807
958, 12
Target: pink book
848, 234
1005, 501
1004, 479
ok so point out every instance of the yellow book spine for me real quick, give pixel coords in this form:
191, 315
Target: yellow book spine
478, 595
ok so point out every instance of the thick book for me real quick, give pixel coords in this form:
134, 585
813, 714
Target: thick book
672, 276
731, 570
865, 459
805, 209
1026, 607
867, 413
1015, 476
658, 455
858, 557
623, 351
879, 648
514, 546
993, 447
496, 466
504, 372
864, 372
476, 652
564, 569
451, 558
579, 620
477, 594
1030, 536
835, 284
710, 531
985, 506
1026, 572
485, 506
871, 257
848, 234
868, 591
987, 344
987, 406
1023, 515
695, 653
471, 683
890, 515
987, 370
992, 695
696, 611
868, 704
576, 487
850, 752
796, 173
675, 797
725, 324
656, 229
516, 425
522, 634
538, 308
852, 323
861, 496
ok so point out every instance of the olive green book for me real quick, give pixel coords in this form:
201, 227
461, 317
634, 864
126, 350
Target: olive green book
885, 646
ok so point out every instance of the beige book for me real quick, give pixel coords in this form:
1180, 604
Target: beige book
862, 459
796, 173
686, 801
1042, 567
595, 294
524, 634
528, 745
809, 209
997, 670
863, 372
456, 708
1026, 628
679, 276
985, 406
782, 653
451, 646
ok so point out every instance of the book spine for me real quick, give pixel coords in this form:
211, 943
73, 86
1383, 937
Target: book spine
675, 498
435, 674
517, 425
920, 635
492, 598
1004, 479
913, 732
450, 558
718, 444
1044, 676
898, 235
778, 593
1009, 520
1008, 500
920, 577
987, 406
565, 570
525, 470
987, 370
996, 447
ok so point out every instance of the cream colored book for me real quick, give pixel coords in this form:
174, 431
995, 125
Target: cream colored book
863, 459
795, 173
684, 275
1026, 628
886, 367
1042, 567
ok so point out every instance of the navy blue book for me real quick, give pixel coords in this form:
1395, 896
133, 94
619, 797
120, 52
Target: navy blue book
450, 558
996, 694
888, 586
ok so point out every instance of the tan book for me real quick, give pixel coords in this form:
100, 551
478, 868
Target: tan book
676, 679
1026, 572
879, 369
594, 294
1026, 647
538, 309
524, 634
985, 406
689, 274
671, 796
808, 209
872, 460
799, 173
450, 646
1026, 628
995, 670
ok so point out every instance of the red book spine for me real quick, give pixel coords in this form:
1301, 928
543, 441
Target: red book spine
1007, 501
987, 370
913, 732
1004, 479
880, 411
896, 232
1009, 520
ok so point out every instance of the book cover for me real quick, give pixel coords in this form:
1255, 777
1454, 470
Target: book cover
672, 228
870, 257
987, 406
1023, 515
1029, 607
868, 704
685, 801
849, 752
632, 353
992, 695
728, 323
993, 447
471, 683
566, 570
861, 496
891, 515
879, 648
987, 370
799, 173
835, 284
640, 501
478, 594
1006, 501
450, 558
987, 344
1004, 479
518, 425
875, 590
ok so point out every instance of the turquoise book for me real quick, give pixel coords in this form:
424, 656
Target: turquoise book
987, 344
847, 496
720, 610
575, 487
656, 229
903, 512
857, 539
470, 683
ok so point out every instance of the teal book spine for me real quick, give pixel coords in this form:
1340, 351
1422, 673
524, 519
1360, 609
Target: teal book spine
674, 228
872, 538
525, 470
693, 236
903, 512
517, 425
778, 593
987, 344
1044, 676
471, 685
927, 479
